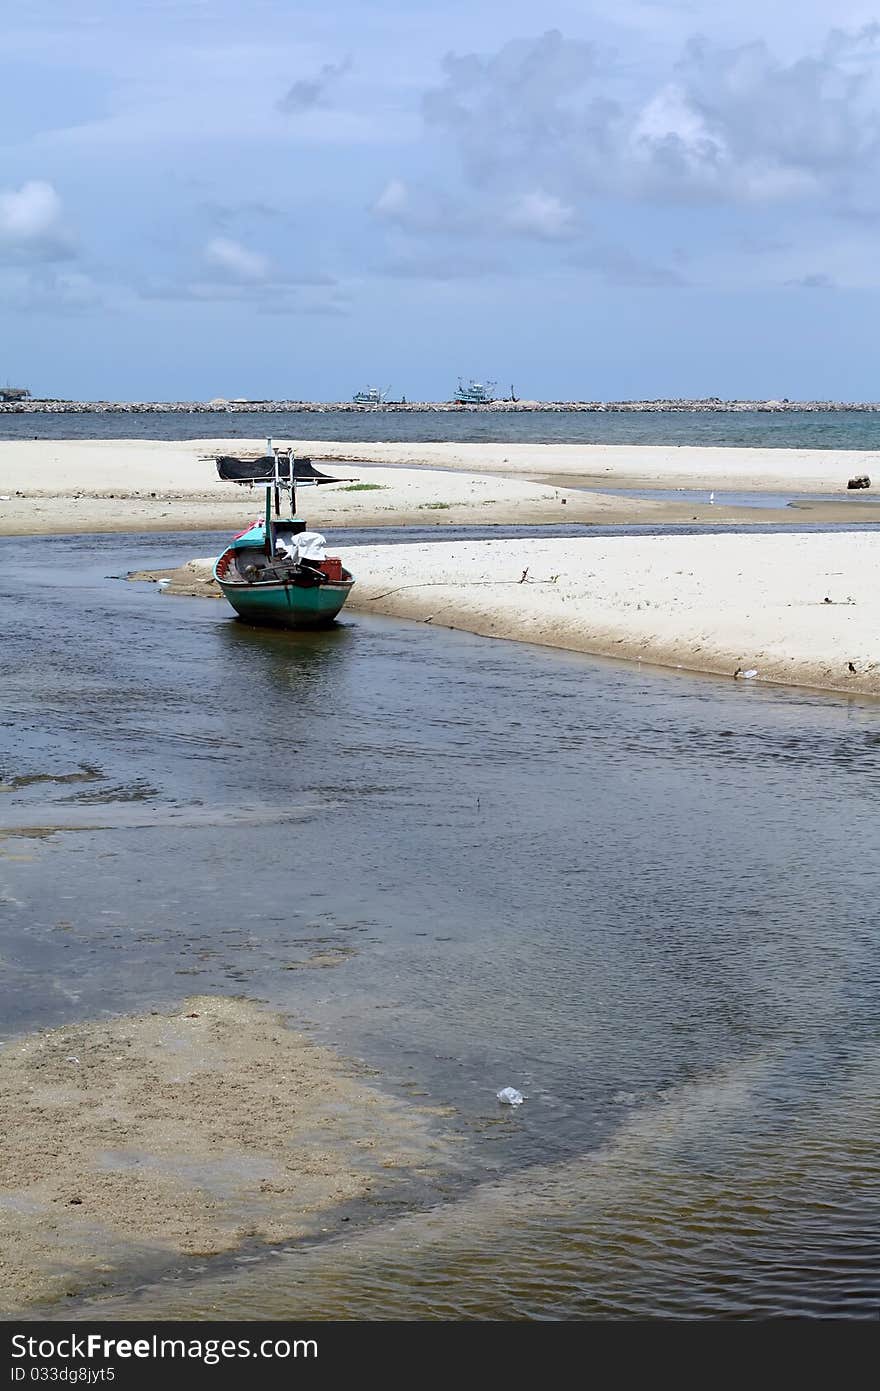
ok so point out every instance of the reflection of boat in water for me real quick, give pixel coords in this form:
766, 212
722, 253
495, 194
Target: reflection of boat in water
277, 572
474, 393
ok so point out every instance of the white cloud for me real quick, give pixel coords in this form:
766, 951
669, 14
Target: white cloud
728, 123
230, 273
669, 115
428, 211
542, 215
394, 201
232, 259
31, 223
424, 211
738, 123
30, 212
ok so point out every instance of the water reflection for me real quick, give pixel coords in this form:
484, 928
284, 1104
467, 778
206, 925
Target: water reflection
643, 899
304, 664
733, 1196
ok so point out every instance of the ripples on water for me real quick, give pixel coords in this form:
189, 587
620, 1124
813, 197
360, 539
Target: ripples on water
645, 899
733, 1197
787, 430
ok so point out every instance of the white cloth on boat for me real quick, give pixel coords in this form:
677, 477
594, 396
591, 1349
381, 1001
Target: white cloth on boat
307, 545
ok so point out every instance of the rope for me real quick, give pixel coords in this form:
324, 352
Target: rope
450, 584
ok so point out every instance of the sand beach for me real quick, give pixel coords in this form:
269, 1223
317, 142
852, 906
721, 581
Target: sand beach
141, 1140
795, 608
174, 1138
78, 487
461, 909
634, 466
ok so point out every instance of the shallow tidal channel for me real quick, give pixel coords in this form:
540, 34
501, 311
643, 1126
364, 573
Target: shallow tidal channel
647, 900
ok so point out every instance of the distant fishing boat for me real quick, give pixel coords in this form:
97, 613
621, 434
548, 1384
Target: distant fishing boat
474, 393
277, 572
370, 396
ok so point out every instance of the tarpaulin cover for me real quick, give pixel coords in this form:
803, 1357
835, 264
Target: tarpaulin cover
262, 470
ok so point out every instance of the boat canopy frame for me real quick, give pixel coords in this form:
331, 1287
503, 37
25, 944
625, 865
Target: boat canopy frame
277, 470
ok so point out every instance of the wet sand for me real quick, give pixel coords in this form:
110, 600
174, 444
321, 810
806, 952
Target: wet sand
130, 1143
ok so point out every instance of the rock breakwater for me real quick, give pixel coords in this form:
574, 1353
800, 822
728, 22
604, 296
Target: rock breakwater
706, 406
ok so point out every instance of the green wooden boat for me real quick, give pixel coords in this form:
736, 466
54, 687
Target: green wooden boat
276, 573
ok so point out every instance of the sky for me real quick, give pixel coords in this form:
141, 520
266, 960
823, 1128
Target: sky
610, 199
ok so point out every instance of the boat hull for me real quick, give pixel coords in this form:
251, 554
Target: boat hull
287, 605
279, 604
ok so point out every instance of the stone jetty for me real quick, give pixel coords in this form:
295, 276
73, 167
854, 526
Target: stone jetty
707, 406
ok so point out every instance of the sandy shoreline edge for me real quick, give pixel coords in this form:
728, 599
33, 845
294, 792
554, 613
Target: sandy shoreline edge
709, 604
130, 1143
85, 486
797, 610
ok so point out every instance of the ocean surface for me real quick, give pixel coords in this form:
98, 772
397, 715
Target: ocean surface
647, 900
756, 429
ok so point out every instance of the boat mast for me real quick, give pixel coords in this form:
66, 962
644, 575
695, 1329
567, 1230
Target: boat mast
269, 539
267, 528
275, 464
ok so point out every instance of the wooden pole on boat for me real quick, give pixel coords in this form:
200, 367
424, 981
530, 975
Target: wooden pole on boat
274, 453
268, 538
290, 476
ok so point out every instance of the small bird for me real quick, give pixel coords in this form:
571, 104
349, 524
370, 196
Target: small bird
852, 668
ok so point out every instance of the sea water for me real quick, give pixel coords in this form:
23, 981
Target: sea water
753, 429
644, 899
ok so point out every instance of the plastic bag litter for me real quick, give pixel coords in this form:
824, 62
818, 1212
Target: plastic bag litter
748, 675
510, 1096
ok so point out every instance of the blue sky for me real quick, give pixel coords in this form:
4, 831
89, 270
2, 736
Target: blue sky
624, 198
